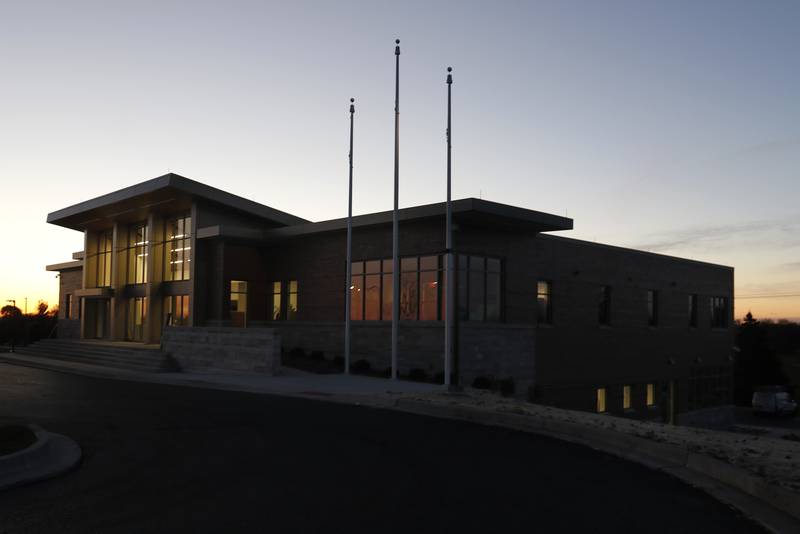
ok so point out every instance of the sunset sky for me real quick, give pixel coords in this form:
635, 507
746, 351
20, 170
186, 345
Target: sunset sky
668, 126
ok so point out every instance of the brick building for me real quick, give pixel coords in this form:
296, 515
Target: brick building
571, 323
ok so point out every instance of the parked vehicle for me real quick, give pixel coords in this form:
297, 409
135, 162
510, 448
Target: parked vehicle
773, 401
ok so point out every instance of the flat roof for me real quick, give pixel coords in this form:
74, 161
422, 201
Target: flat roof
464, 211
170, 190
65, 266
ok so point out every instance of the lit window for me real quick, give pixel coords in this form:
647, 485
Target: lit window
137, 316
276, 301
626, 397
544, 303
601, 400
138, 241
291, 304
176, 310
238, 303
651, 394
178, 244
102, 259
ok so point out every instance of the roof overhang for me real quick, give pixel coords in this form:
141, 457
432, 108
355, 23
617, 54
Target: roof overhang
165, 194
469, 211
65, 266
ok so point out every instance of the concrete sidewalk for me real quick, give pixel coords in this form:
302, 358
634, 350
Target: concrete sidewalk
288, 382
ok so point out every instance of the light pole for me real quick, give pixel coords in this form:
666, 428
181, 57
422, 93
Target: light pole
348, 283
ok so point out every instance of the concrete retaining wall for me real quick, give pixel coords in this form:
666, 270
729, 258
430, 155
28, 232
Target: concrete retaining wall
247, 350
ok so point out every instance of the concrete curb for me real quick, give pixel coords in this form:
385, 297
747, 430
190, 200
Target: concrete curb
50, 456
775, 508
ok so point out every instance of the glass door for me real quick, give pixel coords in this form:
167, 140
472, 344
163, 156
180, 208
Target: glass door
137, 315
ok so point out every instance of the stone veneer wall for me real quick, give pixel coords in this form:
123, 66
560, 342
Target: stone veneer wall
246, 350
68, 329
485, 349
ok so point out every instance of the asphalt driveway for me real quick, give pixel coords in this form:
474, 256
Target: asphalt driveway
163, 458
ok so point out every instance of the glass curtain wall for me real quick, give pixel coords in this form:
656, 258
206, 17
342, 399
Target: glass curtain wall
178, 244
138, 240
103, 259
176, 310
137, 316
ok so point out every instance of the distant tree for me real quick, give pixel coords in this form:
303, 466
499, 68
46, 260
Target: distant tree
10, 311
41, 308
757, 362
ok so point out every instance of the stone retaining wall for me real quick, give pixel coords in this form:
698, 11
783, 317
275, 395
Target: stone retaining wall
246, 350
485, 349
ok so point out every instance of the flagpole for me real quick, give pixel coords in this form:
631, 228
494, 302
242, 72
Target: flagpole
395, 247
349, 280
449, 275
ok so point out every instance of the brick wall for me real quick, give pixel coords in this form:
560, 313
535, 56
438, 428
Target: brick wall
247, 350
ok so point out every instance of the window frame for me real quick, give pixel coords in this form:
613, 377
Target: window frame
548, 293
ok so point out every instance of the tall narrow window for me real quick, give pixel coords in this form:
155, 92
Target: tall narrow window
693, 311
178, 249
276, 301
429, 288
719, 312
238, 303
626, 397
372, 290
176, 310
68, 306
652, 307
388, 294
601, 400
477, 288
409, 286
104, 244
604, 305
291, 302
138, 240
544, 303
651, 394
493, 289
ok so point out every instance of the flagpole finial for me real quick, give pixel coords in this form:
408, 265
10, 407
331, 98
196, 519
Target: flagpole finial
397, 48
449, 76
352, 106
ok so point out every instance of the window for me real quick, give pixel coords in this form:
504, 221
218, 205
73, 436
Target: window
652, 307
238, 303
68, 306
693, 311
420, 294
601, 400
178, 245
138, 240
626, 397
276, 301
651, 394
479, 288
604, 305
137, 315
103, 259
719, 312
291, 305
176, 310
544, 304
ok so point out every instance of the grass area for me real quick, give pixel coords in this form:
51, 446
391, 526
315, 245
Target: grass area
14, 438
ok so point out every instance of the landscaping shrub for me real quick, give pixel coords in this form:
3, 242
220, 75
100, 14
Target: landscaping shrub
317, 355
360, 366
482, 382
297, 352
506, 386
338, 360
438, 378
417, 375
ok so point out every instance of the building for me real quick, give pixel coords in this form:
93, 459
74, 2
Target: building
566, 322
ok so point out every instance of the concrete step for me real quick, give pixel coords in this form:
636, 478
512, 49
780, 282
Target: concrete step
112, 360
145, 359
